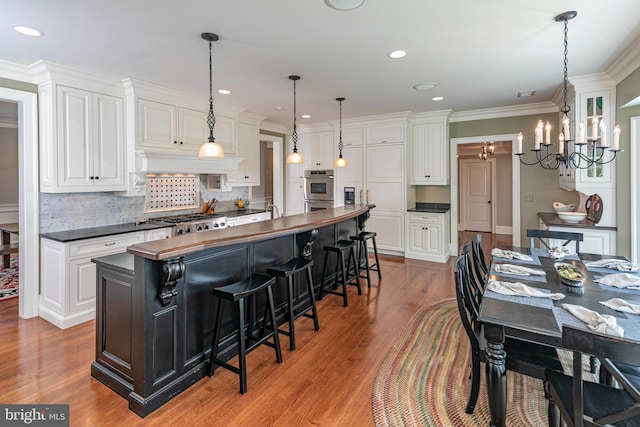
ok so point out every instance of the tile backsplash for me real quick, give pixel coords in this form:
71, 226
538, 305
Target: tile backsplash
71, 211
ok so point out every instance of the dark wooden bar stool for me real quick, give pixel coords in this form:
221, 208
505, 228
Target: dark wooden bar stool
288, 270
236, 293
363, 255
345, 265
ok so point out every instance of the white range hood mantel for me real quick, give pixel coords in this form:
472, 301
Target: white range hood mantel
172, 163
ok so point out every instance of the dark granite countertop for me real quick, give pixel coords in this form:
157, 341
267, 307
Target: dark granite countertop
551, 219
107, 230
431, 207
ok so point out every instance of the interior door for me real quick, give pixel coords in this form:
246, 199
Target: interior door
476, 196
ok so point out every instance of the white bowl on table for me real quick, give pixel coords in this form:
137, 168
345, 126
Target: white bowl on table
561, 207
572, 217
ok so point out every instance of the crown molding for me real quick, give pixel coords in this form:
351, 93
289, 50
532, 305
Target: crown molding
626, 63
500, 112
13, 71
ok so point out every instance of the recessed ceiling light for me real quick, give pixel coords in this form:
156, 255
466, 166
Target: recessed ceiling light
344, 4
526, 93
277, 108
306, 116
437, 98
224, 92
424, 86
27, 31
397, 54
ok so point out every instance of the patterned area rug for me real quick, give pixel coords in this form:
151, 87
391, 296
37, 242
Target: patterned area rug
424, 380
9, 281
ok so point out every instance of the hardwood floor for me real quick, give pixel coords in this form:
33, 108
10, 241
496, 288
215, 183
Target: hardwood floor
327, 381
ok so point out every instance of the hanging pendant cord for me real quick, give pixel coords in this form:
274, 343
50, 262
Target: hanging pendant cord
211, 119
565, 108
340, 142
294, 136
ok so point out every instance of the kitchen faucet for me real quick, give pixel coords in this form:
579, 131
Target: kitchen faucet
275, 212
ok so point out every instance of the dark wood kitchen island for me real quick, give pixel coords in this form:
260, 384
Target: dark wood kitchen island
154, 313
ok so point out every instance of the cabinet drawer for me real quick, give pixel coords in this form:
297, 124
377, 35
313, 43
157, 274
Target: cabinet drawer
433, 218
101, 244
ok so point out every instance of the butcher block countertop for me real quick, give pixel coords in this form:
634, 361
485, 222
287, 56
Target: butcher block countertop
193, 242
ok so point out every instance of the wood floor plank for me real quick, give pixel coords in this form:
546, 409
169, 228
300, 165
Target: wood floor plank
327, 381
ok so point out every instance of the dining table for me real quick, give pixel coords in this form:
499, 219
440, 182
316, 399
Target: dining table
540, 320
7, 231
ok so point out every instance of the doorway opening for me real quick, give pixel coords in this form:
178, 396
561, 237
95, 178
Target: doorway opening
28, 210
271, 189
472, 145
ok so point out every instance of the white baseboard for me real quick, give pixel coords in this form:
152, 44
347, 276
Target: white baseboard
504, 229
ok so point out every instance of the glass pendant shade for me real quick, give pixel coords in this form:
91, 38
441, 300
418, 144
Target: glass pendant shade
340, 162
295, 158
211, 148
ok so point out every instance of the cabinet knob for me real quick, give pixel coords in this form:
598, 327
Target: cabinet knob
180, 142
489, 201
425, 228
175, 142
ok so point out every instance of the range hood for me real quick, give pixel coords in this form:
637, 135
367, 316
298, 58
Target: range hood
148, 162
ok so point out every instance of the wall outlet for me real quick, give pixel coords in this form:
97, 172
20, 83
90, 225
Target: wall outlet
528, 197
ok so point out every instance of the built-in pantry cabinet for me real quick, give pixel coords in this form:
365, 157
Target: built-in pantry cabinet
319, 149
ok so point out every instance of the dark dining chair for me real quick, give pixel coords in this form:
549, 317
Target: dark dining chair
477, 285
565, 236
479, 261
584, 403
522, 356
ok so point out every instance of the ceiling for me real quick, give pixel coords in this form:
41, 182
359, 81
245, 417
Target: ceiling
478, 53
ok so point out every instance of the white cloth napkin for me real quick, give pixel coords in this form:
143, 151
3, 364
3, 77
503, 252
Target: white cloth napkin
620, 280
616, 264
518, 269
519, 289
619, 304
504, 253
559, 252
603, 323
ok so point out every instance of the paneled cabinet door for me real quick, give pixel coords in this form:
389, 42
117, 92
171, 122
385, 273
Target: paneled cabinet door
352, 175
295, 198
249, 149
192, 129
318, 150
90, 140
156, 125
430, 155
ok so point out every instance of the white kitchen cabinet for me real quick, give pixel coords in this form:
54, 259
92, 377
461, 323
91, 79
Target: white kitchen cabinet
351, 175
249, 149
319, 150
351, 136
68, 277
428, 236
157, 234
430, 154
295, 198
595, 241
251, 218
385, 172
164, 126
386, 133
86, 151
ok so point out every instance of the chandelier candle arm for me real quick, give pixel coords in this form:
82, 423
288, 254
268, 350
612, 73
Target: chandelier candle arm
569, 151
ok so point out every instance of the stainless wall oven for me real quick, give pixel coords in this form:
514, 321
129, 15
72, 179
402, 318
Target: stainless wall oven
317, 205
318, 185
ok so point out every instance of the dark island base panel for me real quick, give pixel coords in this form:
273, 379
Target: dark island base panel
148, 351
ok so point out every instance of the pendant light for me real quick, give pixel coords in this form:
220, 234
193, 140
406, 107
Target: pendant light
210, 148
294, 157
340, 161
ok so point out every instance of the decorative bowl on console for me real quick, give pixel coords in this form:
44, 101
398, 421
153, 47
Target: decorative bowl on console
561, 207
572, 217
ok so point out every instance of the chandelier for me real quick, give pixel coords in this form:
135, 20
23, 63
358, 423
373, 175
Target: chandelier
487, 151
570, 152
210, 148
